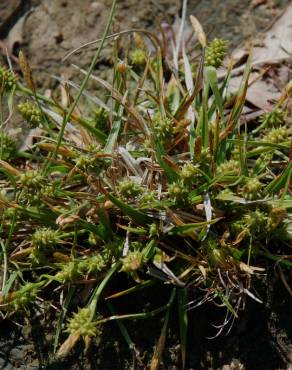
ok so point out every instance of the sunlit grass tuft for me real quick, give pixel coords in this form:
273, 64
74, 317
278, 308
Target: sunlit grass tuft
159, 182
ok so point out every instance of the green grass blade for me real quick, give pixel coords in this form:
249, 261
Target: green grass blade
211, 76
183, 322
85, 80
99, 289
123, 330
133, 213
113, 135
65, 306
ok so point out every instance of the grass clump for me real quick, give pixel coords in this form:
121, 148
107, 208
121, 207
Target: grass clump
200, 208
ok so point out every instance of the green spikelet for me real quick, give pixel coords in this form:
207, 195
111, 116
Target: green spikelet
129, 189
7, 79
231, 166
278, 135
178, 191
274, 119
7, 146
215, 53
189, 171
31, 113
45, 238
252, 188
94, 263
138, 57
69, 272
82, 323
163, 127
31, 179
133, 261
23, 297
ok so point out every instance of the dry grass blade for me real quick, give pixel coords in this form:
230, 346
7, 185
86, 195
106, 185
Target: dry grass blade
154, 39
159, 348
26, 71
118, 97
198, 29
12, 170
69, 343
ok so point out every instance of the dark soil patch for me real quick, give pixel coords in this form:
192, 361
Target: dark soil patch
260, 340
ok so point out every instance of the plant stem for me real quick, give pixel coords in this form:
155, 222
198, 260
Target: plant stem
83, 85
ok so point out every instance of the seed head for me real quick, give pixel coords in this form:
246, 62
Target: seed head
163, 127
228, 166
215, 53
7, 79
69, 272
45, 238
122, 67
138, 57
278, 135
252, 188
255, 221
129, 189
31, 113
276, 217
93, 264
31, 179
133, 261
24, 296
273, 119
177, 191
10, 212
148, 198
82, 322
7, 146
189, 171
83, 161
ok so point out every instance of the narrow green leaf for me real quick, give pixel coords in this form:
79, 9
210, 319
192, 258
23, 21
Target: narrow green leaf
211, 75
123, 329
99, 289
188, 228
136, 288
280, 181
133, 213
104, 221
113, 135
169, 172
65, 306
183, 322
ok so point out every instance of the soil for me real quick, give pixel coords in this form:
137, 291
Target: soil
48, 29
262, 338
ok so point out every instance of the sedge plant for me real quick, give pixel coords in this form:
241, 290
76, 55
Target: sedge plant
163, 182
